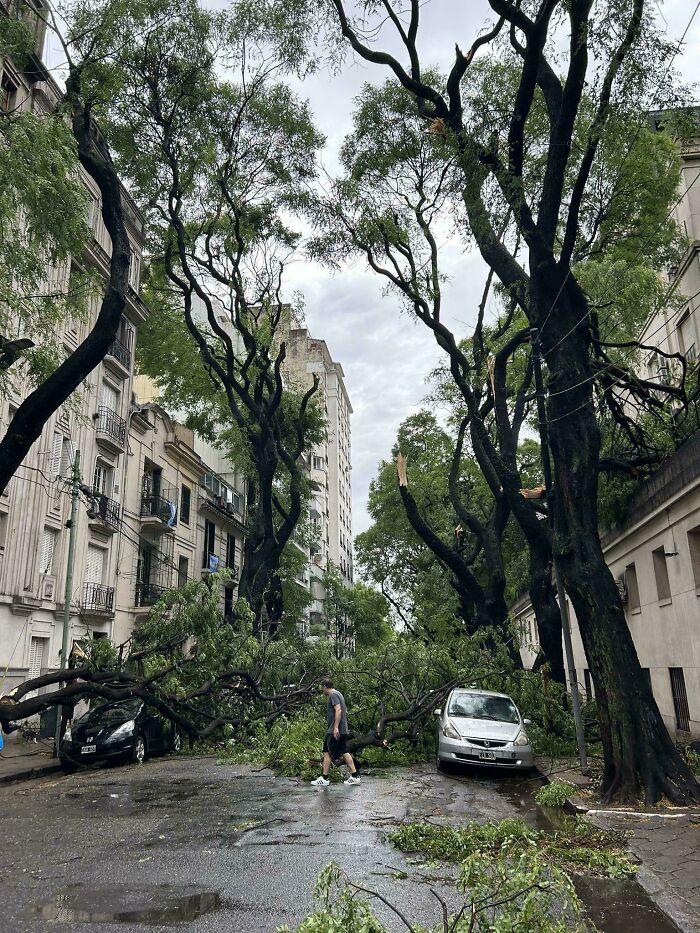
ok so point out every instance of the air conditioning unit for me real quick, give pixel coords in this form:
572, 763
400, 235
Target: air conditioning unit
622, 589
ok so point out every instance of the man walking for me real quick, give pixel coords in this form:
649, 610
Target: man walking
335, 743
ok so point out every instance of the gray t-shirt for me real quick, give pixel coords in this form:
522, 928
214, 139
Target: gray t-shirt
335, 697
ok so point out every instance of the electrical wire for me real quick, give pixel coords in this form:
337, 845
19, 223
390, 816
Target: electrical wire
634, 258
622, 362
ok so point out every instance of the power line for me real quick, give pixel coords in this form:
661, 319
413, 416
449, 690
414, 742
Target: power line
636, 256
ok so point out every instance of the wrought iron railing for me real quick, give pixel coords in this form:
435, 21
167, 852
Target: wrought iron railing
109, 423
120, 352
107, 509
159, 506
147, 594
97, 598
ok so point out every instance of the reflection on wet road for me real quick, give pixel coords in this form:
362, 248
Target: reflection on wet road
185, 843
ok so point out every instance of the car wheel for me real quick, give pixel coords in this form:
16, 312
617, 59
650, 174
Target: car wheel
68, 767
176, 742
138, 752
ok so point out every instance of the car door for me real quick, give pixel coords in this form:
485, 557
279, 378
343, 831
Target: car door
152, 730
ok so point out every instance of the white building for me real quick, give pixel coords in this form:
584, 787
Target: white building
330, 464
35, 506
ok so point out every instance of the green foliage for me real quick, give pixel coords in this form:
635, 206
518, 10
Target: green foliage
293, 747
554, 794
516, 892
358, 611
577, 845
42, 224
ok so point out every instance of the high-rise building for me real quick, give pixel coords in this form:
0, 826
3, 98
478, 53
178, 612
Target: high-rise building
329, 464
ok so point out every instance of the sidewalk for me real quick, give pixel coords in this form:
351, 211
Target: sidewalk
21, 761
665, 841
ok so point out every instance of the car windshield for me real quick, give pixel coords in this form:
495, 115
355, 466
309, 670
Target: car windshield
112, 712
480, 706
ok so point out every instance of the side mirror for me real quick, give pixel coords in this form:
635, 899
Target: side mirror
437, 712
527, 722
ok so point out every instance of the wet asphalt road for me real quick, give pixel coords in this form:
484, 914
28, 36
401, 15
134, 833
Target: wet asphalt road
142, 848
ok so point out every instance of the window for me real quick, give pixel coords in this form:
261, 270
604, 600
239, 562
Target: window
94, 564
209, 544
632, 588
663, 587
686, 336
48, 545
134, 269
3, 531
185, 500
694, 546
230, 552
36, 660
680, 699
237, 502
102, 479
8, 94
109, 397
588, 684
183, 566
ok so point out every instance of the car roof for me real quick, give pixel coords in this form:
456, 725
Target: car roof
484, 693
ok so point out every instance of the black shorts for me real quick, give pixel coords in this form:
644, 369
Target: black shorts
335, 747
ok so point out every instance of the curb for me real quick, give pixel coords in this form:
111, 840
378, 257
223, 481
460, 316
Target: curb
28, 774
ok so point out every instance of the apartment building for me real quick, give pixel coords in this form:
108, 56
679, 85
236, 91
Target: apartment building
181, 520
329, 467
35, 507
654, 554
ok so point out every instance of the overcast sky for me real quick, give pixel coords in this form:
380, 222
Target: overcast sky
385, 355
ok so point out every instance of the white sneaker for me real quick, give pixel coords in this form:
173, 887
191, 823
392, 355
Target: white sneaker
353, 779
321, 782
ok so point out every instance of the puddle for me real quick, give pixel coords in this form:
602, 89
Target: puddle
157, 905
620, 906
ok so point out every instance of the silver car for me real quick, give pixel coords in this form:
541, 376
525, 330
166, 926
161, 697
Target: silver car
479, 727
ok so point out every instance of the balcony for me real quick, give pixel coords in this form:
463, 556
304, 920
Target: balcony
111, 430
104, 513
159, 511
98, 599
234, 569
119, 358
148, 594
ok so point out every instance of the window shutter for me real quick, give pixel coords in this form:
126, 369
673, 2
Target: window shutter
108, 397
56, 449
48, 543
94, 565
67, 454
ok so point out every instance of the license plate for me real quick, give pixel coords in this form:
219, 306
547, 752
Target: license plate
88, 749
487, 756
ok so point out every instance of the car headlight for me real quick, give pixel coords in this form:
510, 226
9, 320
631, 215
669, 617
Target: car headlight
121, 732
521, 739
449, 730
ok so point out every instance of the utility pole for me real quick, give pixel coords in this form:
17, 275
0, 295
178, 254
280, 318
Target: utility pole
68, 593
551, 520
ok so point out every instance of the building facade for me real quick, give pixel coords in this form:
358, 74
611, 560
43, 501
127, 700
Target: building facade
35, 506
329, 468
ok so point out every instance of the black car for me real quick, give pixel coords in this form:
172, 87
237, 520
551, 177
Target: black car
116, 731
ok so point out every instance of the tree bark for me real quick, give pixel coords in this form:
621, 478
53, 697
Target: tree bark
31, 416
639, 754
547, 615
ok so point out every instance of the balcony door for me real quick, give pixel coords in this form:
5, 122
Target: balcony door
95, 565
109, 397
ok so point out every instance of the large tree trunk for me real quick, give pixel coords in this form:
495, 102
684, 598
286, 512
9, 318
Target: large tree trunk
639, 753
544, 602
